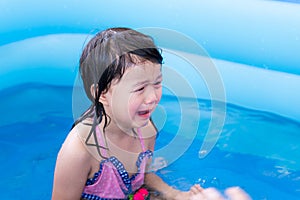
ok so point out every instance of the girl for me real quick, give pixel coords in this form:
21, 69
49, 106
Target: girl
108, 150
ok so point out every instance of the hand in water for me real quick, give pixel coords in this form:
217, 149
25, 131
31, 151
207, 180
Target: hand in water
236, 193
233, 193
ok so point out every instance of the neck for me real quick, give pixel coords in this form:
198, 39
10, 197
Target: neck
118, 141
113, 130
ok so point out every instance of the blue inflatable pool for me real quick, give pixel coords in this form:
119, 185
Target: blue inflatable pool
241, 53
255, 44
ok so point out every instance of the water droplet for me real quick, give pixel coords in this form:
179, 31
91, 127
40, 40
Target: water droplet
202, 153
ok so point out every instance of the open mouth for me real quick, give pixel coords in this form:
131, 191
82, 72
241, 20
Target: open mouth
144, 113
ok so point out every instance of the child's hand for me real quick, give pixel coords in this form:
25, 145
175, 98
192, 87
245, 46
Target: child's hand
207, 194
196, 192
234, 193
193, 194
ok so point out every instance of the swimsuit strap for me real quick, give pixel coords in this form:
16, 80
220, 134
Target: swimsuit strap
101, 141
141, 139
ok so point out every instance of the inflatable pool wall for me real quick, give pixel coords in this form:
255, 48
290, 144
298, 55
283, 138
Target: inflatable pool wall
254, 44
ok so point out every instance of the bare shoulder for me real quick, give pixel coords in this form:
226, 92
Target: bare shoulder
74, 146
83, 133
73, 166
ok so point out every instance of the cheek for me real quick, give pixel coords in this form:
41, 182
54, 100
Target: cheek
120, 102
134, 102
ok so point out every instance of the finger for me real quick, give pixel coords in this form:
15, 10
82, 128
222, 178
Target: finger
196, 189
212, 194
236, 193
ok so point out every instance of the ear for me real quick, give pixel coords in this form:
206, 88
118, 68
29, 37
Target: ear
103, 96
103, 99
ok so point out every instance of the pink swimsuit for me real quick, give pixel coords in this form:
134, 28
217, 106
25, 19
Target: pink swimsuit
112, 181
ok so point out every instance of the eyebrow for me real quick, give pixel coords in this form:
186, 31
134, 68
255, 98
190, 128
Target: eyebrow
143, 82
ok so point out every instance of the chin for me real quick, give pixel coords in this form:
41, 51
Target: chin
142, 123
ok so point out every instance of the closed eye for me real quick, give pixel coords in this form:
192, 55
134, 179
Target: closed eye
158, 83
139, 89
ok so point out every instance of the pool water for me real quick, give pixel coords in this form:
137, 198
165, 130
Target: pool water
258, 151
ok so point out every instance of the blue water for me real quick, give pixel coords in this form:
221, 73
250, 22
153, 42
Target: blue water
258, 151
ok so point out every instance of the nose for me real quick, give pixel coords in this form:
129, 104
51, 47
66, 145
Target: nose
151, 96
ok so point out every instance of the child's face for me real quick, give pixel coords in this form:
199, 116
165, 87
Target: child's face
131, 100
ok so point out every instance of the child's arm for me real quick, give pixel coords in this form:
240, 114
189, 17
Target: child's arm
164, 191
195, 193
154, 182
71, 170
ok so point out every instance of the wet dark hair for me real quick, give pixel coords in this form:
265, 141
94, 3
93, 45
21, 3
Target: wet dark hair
104, 59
